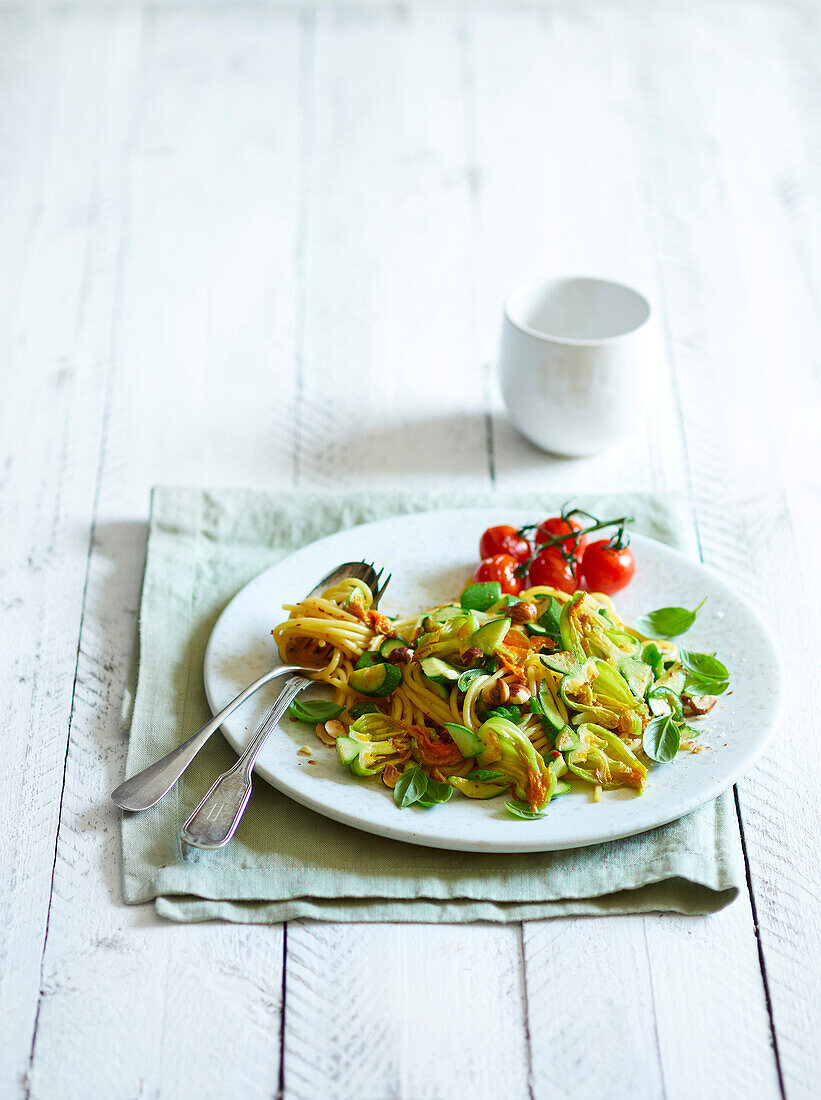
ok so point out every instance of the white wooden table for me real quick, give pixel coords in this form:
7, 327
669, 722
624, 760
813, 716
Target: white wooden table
267, 245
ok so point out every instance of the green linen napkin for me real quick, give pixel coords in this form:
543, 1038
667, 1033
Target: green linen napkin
287, 861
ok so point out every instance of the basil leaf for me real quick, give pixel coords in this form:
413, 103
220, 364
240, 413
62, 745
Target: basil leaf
484, 776
504, 711
436, 793
706, 666
706, 674
491, 665
667, 622
358, 709
370, 657
695, 687
536, 706
314, 710
467, 678
479, 597
410, 788
661, 740
522, 810
549, 621
651, 655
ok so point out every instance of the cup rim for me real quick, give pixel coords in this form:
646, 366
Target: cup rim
574, 341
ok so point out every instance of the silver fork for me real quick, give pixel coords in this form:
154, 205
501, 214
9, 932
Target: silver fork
147, 787
217, 817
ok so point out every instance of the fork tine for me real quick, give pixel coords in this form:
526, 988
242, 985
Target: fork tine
381, 590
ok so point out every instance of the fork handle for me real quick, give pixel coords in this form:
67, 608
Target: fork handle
215, 820
147, 787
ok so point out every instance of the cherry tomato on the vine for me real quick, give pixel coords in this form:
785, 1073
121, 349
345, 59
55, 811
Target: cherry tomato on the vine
501, 568
607, 568
557, 526
550, 568
504, 540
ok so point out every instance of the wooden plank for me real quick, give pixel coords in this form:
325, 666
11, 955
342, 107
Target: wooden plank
194, 1003
199, 392
206, 375
386, 1011
735, 185
564, 78
390, 387
55, 283
556, 169
390, 391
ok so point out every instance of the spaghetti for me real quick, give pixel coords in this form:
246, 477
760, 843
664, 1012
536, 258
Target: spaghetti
490, 695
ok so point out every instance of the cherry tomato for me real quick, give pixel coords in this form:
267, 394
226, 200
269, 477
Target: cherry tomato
606, 568
550, 568
501, 568
504, 540
557, 526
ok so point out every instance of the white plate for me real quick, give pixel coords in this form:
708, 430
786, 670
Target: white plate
431, 556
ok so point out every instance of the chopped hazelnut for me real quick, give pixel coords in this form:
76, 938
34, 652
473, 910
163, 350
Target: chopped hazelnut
519, 694
696, 705
400, 656
523, 612
390, 776
495, 693
329, 732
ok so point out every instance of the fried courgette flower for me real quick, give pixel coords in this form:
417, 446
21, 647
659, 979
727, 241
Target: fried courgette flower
373, 742
435, 752
603, 758
509, 750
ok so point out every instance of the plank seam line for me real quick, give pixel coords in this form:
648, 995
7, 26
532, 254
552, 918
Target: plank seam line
526, 1003
762, 965
92, 532
668, 347
281, 1077
491, 456
307, 47
655, 1011
108, 400
471, 150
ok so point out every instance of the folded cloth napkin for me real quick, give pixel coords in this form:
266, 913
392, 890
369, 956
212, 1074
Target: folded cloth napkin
287, 861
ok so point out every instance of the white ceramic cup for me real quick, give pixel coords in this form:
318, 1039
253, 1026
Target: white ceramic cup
576, 361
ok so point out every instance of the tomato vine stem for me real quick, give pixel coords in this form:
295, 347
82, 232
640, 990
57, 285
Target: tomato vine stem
619, 540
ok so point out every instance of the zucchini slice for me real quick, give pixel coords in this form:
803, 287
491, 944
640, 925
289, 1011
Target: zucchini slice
474, 789
548, 711
368, 658
376, 680
347, 750
440, 672
465, 740
489, 636
639, 676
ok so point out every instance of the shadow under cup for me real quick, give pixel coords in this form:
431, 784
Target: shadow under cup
576, 363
